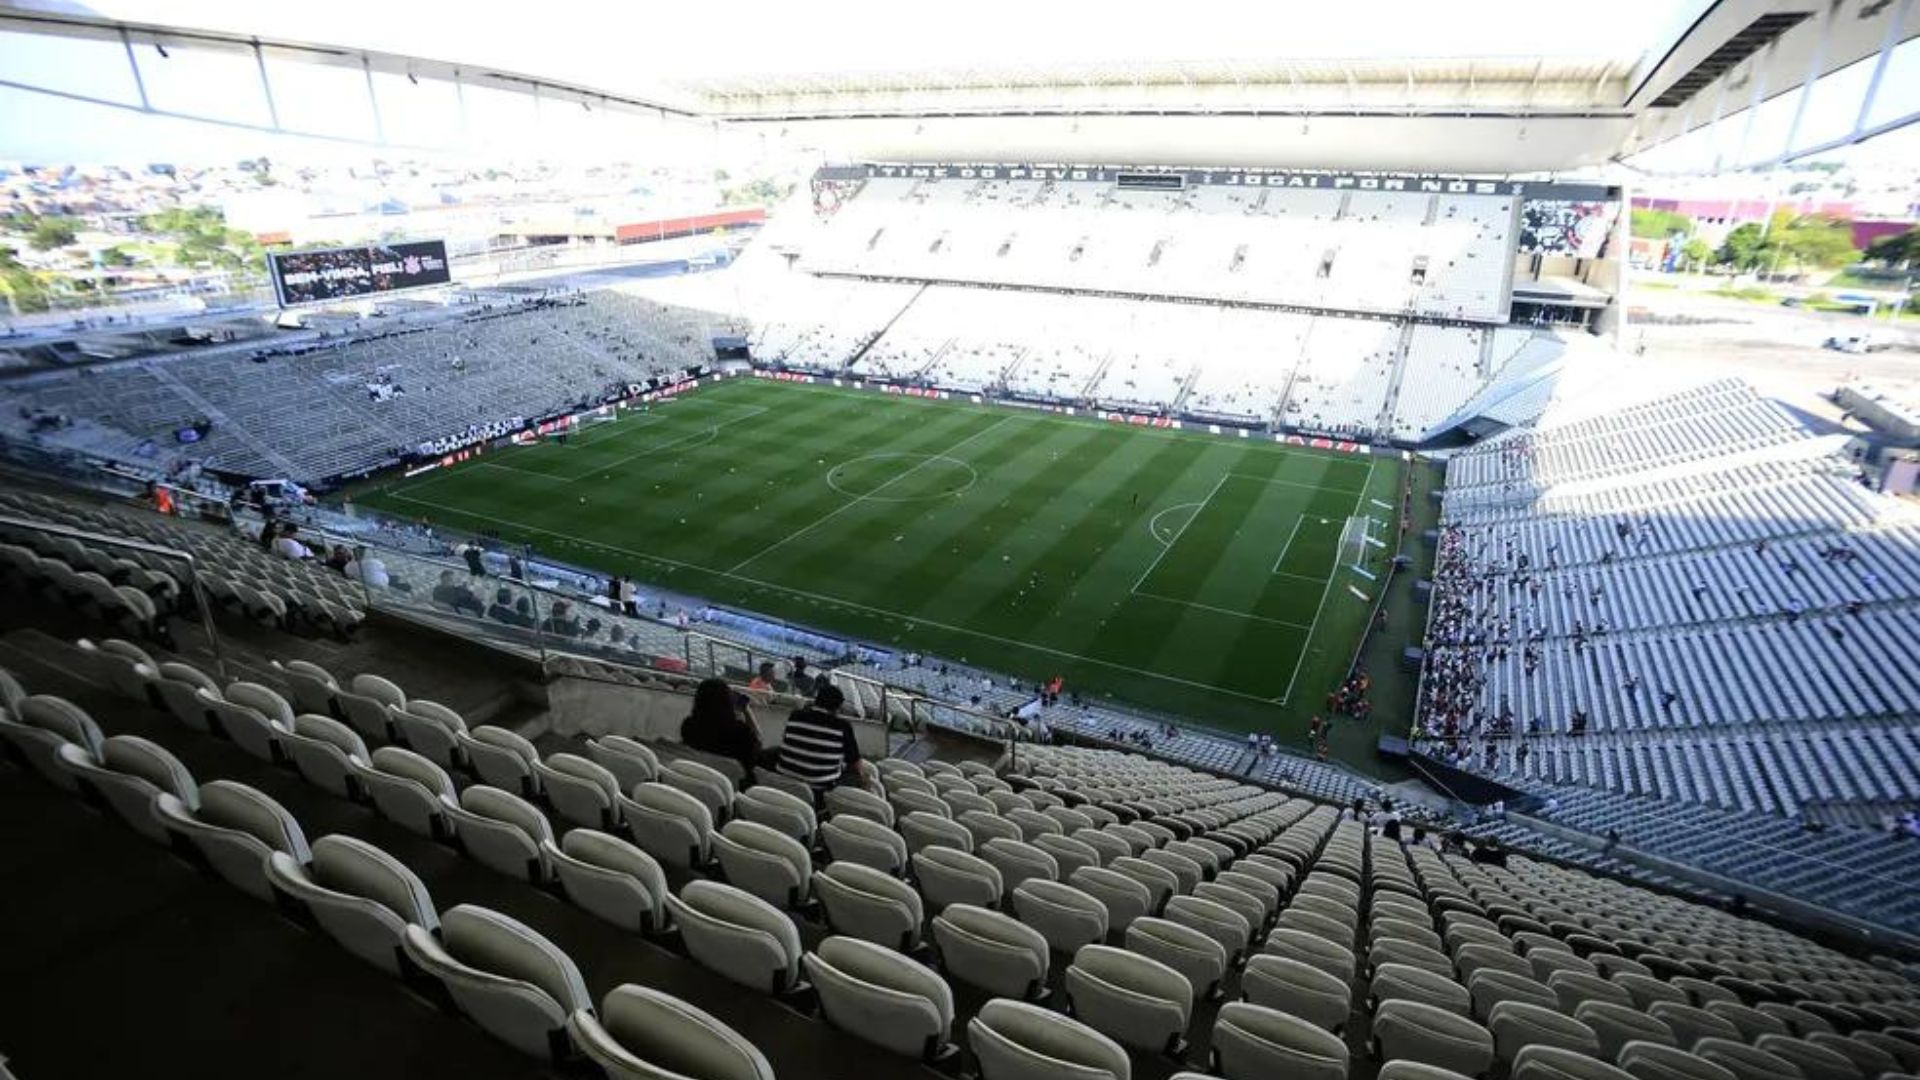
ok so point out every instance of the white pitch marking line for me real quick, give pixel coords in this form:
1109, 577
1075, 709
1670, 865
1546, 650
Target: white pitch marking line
1331, 574
857, 500
1221, 610
1153, 524
711, 429
790, 591
1148, 572
1288, 544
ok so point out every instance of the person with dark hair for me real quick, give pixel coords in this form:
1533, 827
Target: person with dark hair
451, 593
818, 745
721, 724
501, 610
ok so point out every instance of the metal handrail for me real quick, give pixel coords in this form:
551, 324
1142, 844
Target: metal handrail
193, 570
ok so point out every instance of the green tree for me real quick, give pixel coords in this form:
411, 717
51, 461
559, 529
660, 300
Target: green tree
52, 232
1745, 248
1696, 252
24, 292
1658, 224
1896, 250
1815, 240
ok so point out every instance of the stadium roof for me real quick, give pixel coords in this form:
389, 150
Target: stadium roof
1488, 86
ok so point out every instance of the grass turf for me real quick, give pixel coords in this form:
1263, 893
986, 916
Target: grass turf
1176, 570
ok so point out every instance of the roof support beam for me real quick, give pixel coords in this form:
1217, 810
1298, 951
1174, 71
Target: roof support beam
1887, 43
1814, 64
266, 84
133, 66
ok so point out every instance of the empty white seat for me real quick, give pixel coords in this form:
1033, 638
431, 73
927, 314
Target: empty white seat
1302, 946
328, 753
1747, 1062
431, 730
1198, 956
121, 664
1816, 1062
764, 862
361, 896
1263, 891
502, 831
1223, 924
865, 903
313, 686
253, 716
858, 802
129, 774
992, 951
1017, 861
1125, 898
1516, 1025
703, 782
1283, 983
738, 935
669, 824
921, 829
1184, 870
1013, 1040
629, 760
1107, 846
908, 801
1433, 1036
40, 725
777, 810
514, 983
1255, 1043
368, 703
985, 825
1135, 999
1617, 1025
503, 759
1158, 879
581, 791
238, 829
950, 876
1067, 917
1068, 854
409, 790
178, 686
643, 1034
1652, 1061
881, 996
1554, 1063
851, 838
611, 878
1397, 982
1242, 903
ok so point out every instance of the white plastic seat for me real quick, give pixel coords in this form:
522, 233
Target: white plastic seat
238, 829
858, 802
409, 790
950, 876
1106, 845
669, 824
368, 703
777, 810
431, 730
361, 896
1404, 982
1263, 892
921, 829
764, 862
611, 878
1301, 989
1184, 870
1012, 1040
128, 774
1125, 898
1617, 1025
643, 1034
1065, 916
1489, 987
1302, 946
1255, 1043
1689, 1024
704, 782
1814, 1061
851, 838
992, 951
865, 903
1018, 861
1415, 1031
1747, 1062
1138, 1001
629, 760
985, 825
1298, 916
40, 725
1158, 880
1516, 1025
1223, 924
1554, 1063
313, 686
1241, 903
906, 801
580, 791
514, 983
738, 935
502, 832
1196, 955
1653, 1061
502, 759
328, 754
963, 800
876, 994
1068, 854
253, 716
178, 687
122, 665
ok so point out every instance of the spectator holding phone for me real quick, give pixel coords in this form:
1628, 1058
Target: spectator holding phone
721, 724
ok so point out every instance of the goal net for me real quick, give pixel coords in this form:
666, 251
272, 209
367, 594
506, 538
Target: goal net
1357, 543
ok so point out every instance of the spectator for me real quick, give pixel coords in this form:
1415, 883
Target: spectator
628, 598
560, 621
472, 552
268, 533
763, 679
721, 723
450, 593
818, 745
287, 546
515, 569
522, 612
501, 610
338, 558
369, 570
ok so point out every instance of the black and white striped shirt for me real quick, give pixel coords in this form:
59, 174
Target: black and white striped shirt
816, 747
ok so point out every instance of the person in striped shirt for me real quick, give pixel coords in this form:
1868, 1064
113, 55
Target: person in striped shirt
818, 745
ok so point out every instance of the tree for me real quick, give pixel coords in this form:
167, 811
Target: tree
24, 291
1815, 240
1657, 224
52, 232
1745, 248
1696, 253
1896, 250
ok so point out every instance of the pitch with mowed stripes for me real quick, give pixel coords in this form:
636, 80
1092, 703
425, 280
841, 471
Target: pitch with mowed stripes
1179, 570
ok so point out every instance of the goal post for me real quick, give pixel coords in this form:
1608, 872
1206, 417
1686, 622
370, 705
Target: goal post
1357, 541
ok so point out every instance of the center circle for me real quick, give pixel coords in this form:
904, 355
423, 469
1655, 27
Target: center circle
901, 477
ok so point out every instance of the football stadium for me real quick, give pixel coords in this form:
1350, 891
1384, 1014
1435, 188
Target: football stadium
999, 545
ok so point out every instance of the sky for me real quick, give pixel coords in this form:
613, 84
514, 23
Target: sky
649, 48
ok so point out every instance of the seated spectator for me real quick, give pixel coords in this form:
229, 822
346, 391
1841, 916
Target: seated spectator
287, 546
560, 621
522, 612
338, 558
721, 723
452, 594
370, 571
763, 679
501, 610
818, 745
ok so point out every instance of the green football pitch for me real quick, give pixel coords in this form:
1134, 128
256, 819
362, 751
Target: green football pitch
1177, 570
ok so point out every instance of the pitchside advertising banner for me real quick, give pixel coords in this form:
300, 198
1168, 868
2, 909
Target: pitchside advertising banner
1174, 179
327, 274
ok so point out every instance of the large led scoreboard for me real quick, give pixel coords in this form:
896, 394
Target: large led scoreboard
323, 275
